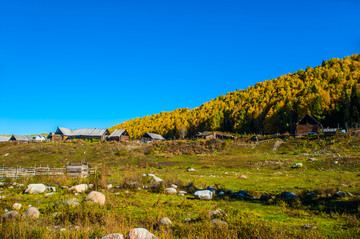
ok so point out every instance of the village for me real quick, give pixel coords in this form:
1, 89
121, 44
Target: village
304, 127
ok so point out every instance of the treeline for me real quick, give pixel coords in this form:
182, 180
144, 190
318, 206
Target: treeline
329, 92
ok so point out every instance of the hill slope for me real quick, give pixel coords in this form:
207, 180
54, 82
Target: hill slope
328, 92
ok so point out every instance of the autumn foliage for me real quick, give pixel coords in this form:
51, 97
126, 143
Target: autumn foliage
328, 92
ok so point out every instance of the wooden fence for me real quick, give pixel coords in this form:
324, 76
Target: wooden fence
71, 170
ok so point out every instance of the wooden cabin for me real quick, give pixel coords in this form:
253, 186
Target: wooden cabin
119, 135
307, 125
150, 137
90, 133
61, 134
20, 138
4, 139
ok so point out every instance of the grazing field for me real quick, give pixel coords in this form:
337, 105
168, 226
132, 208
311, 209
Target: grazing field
325, 169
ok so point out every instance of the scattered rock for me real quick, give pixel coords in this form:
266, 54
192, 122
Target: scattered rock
229, 192
32, 212
308, 226
165, 221
221, 193
211, 189
170, 191
191, 170
187, 219
183, 192
109, 186
216, 213
312, 159
340, 194
12, 215
96, 197
113, 236
71, 202
79, 188
49, 194
6, 154
174, 186
219, 223
16, 206
91, 185
64, 187
242, 176
140, 233
288, 196
35, 188
297, 165
310, 196
51, 189
157, 179
349, 194
203, 194
264, 197
336, 162
277, 144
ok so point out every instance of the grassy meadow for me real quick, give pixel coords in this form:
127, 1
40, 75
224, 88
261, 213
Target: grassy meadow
136, 201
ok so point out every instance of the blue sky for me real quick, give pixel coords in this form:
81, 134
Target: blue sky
98, 63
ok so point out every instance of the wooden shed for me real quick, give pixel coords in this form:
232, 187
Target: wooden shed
307, 125
119, 135
20, 138
61, 134
150, 137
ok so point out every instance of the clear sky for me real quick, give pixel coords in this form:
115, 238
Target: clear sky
78, 64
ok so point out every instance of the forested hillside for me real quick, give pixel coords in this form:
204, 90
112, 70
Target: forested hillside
328, 92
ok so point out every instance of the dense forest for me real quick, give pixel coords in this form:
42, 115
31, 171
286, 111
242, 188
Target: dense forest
328, 92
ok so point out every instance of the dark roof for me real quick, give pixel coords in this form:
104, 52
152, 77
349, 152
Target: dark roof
307, 119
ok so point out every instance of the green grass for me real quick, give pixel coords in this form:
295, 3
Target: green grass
220, 166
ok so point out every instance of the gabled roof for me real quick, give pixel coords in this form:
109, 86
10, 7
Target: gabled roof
4, 138
64, 131
117, 133
19, 138
308, 119
88, 132
154, 136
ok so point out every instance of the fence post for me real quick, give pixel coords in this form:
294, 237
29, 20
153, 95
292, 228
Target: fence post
35, 170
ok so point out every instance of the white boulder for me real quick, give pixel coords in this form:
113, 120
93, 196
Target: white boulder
203, 194
96, 197
35, 188
32, 212
113, 236
16, 206
140, 233
79, 188
170, 191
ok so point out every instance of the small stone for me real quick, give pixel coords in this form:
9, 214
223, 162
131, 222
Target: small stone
109, 186
64, 187
264, 197
174, 186
219, 223
288, 196
79, 188
165, 221
339, 194
349, 194
187, 219
170, 191
32, 212
229, 192
308, 226
221, 193
203, 194
113, 236
312, 159
91, 185
51, 189
336, 162
49, 194
211, 189
216, 213
242, 176
16, 206
191, 170
183, 192
297, 165
12, 215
